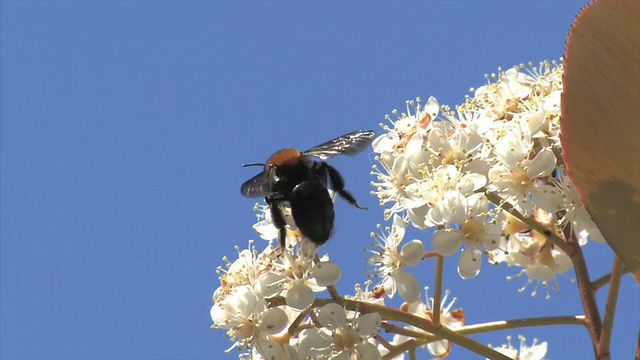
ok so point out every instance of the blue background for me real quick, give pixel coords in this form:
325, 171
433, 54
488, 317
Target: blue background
124, 125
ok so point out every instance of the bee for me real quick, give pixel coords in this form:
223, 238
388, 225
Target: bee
291, 177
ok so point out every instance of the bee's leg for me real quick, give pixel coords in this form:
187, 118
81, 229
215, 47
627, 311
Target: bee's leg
277, 217
337, 184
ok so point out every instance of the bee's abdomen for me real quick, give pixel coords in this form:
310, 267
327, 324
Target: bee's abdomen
312, 210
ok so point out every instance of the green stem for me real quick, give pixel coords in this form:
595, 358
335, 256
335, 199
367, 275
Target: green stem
416, 334
470, 344
604, 279
412, 354
407, 346
437, 296
610, 308
519, 323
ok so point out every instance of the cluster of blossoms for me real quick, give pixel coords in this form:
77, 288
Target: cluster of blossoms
265, 302
460, 171
479, 176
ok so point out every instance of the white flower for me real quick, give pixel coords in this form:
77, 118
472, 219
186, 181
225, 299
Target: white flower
452, 319
563, 198
514, 176
504, 96
247, 319
246, 269
478, 230
532, 120
390, 184
533, 352
476, 120
432, 189
374, 296
540, 260
416, 119
340, 337
453, 146
389, 261
314, 343
297, 278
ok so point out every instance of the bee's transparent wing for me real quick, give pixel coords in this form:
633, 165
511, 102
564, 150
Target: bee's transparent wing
257, 186
349, 144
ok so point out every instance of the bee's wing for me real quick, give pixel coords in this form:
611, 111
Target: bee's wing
257, 186
349, 144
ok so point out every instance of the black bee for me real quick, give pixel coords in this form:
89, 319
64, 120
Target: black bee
292, 177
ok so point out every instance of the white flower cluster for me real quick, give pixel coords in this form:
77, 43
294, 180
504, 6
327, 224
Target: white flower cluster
265, 300
488, 178
445, 169
262, 294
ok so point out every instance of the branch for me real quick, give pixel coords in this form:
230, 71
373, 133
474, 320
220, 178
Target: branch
586, 289
604, 279
519, 323
610, 308
437, 296
470, 344
572, 248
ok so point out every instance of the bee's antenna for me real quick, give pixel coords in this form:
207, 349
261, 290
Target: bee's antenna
252, 164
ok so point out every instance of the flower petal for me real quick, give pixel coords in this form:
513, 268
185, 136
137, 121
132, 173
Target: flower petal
398, 228
367, 351
332, 316
408, 286
269, 349
454, 207
268, 284
490, 238
540, 272
273, 320
326, 273
218, 315
415, 144
412, 252
470, 262
439, 348
535, 352
446, 241
311, 340
300, 297
385, 142
417, 216
432, 107
531, 120
543, 164
547, 197
368, 324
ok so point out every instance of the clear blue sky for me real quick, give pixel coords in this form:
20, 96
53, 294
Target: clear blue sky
124, 125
